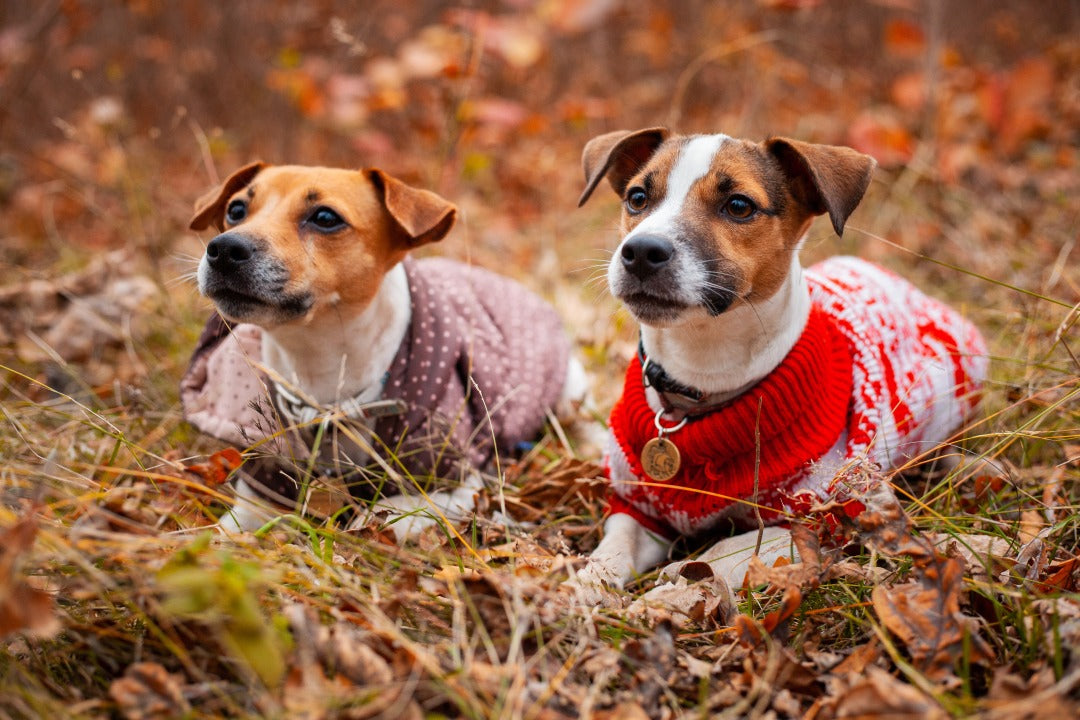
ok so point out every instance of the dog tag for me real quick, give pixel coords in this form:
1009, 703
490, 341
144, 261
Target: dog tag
660, 459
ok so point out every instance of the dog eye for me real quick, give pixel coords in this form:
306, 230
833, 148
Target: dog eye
739, 207
636, 200
326, 219
236, 211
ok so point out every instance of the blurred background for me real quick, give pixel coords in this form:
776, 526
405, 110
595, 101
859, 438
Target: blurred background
116, 115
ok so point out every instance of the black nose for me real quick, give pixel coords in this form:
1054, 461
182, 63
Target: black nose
645, 254
228, 252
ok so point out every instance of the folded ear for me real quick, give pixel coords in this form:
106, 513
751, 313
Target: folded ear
825, 178
618, 155
421, 215
210, 208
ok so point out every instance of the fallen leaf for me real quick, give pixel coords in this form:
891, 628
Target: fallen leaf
22, 608
879, 695
622, 711
218, 467
750, 632
567, 486
984, 556
925, 615
878, 133
148, 691
903, 38
859, 659
801, 575
1061, 576
696, 596
650, 661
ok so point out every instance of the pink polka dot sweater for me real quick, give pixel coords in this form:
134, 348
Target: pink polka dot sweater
882, 373
481, 362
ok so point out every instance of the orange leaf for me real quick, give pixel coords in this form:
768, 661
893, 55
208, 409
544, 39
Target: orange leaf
218, 467
22, 608
749, 632
1061, 576
904, 38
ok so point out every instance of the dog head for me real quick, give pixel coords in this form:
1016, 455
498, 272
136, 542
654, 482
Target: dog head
711, 221
296, 240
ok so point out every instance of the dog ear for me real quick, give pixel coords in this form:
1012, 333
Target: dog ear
618, 155
825, 178
210, 208
422, 215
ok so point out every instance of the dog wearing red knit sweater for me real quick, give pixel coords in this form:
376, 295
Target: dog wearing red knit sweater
757, 381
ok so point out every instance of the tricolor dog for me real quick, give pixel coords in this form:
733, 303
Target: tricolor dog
752, 371
332, 350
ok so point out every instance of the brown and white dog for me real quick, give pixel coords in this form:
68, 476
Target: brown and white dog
757, 381
327, 332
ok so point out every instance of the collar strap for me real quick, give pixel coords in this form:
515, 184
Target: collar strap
298, 411
681, 401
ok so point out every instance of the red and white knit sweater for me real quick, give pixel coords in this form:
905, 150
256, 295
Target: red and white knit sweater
881, 373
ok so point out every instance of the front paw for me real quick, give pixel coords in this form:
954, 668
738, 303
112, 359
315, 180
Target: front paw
687, 592
595, 585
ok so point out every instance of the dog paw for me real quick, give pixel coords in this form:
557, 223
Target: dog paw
594, 585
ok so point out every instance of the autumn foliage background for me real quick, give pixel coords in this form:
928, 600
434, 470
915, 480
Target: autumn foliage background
115, 116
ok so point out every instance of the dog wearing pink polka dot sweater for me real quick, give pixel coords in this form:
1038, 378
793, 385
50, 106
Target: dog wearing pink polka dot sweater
333, 354
757, 382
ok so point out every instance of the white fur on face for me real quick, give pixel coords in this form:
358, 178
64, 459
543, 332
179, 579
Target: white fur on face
691, 166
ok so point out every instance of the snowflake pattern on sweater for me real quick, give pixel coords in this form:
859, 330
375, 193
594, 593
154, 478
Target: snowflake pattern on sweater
917, 366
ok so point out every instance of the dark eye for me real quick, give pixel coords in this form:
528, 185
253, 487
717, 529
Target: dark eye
236, 211
326, 219
636, 200
739, 207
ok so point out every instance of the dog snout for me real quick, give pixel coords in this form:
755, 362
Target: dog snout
644, 255
229, 251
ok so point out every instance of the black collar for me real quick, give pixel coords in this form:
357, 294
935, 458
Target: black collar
681, 401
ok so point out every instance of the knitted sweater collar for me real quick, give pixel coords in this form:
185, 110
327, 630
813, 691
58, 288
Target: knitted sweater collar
793, 415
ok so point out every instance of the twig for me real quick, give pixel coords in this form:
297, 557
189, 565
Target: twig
757, 478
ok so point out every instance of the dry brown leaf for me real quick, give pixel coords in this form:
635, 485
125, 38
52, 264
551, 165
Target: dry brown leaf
925, 615
622, 711
802, 575
565, 486
855, 572
1061, 576
859, 659
332, 665
879, 695
22, 608
696, 596
148, 691
984, 556
1011, 697
651, 661
750, 632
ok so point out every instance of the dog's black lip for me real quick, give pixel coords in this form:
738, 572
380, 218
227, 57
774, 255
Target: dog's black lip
647, 298
241, 306
225, 294
647, 307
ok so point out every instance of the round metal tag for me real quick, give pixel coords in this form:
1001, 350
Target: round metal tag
660, 459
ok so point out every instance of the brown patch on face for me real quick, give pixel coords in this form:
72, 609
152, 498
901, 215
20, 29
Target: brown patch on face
337, 267
760, 246
652, 178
